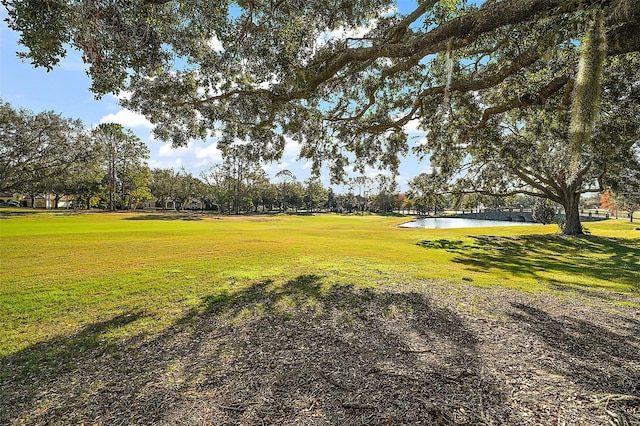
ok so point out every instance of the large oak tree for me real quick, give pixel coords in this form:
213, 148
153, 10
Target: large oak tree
36, 150
528, 149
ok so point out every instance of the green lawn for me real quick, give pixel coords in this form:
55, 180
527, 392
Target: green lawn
64, 271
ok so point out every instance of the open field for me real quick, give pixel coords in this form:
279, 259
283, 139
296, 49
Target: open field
167, 319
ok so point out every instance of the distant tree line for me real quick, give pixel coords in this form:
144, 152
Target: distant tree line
106, 167
46, 153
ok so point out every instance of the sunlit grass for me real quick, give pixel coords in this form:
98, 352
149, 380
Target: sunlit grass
64, 271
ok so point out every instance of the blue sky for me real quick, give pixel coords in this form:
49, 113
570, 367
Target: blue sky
65, 89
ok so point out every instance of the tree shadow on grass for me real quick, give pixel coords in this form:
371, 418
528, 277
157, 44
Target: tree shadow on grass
612, 259
176, 216
604, 358
307, 353
392, 214
302, 352
27, 374
312, 353
456, 246
32, 212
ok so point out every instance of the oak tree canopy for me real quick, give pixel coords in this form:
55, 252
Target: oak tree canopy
260, 70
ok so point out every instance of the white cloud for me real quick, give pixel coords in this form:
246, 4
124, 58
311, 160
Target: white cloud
373, 173
215, 44
272, 168
198, 151
194, 156
208, 153
342, 33
291, 149
123, 94
127, 118
174, 164
166, 150
412, 126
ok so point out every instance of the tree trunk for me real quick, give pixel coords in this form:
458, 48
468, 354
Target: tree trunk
572, 225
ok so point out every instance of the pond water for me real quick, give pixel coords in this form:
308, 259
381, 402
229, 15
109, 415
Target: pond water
456, 222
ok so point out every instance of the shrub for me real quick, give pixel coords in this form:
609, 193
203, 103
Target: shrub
543, 212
